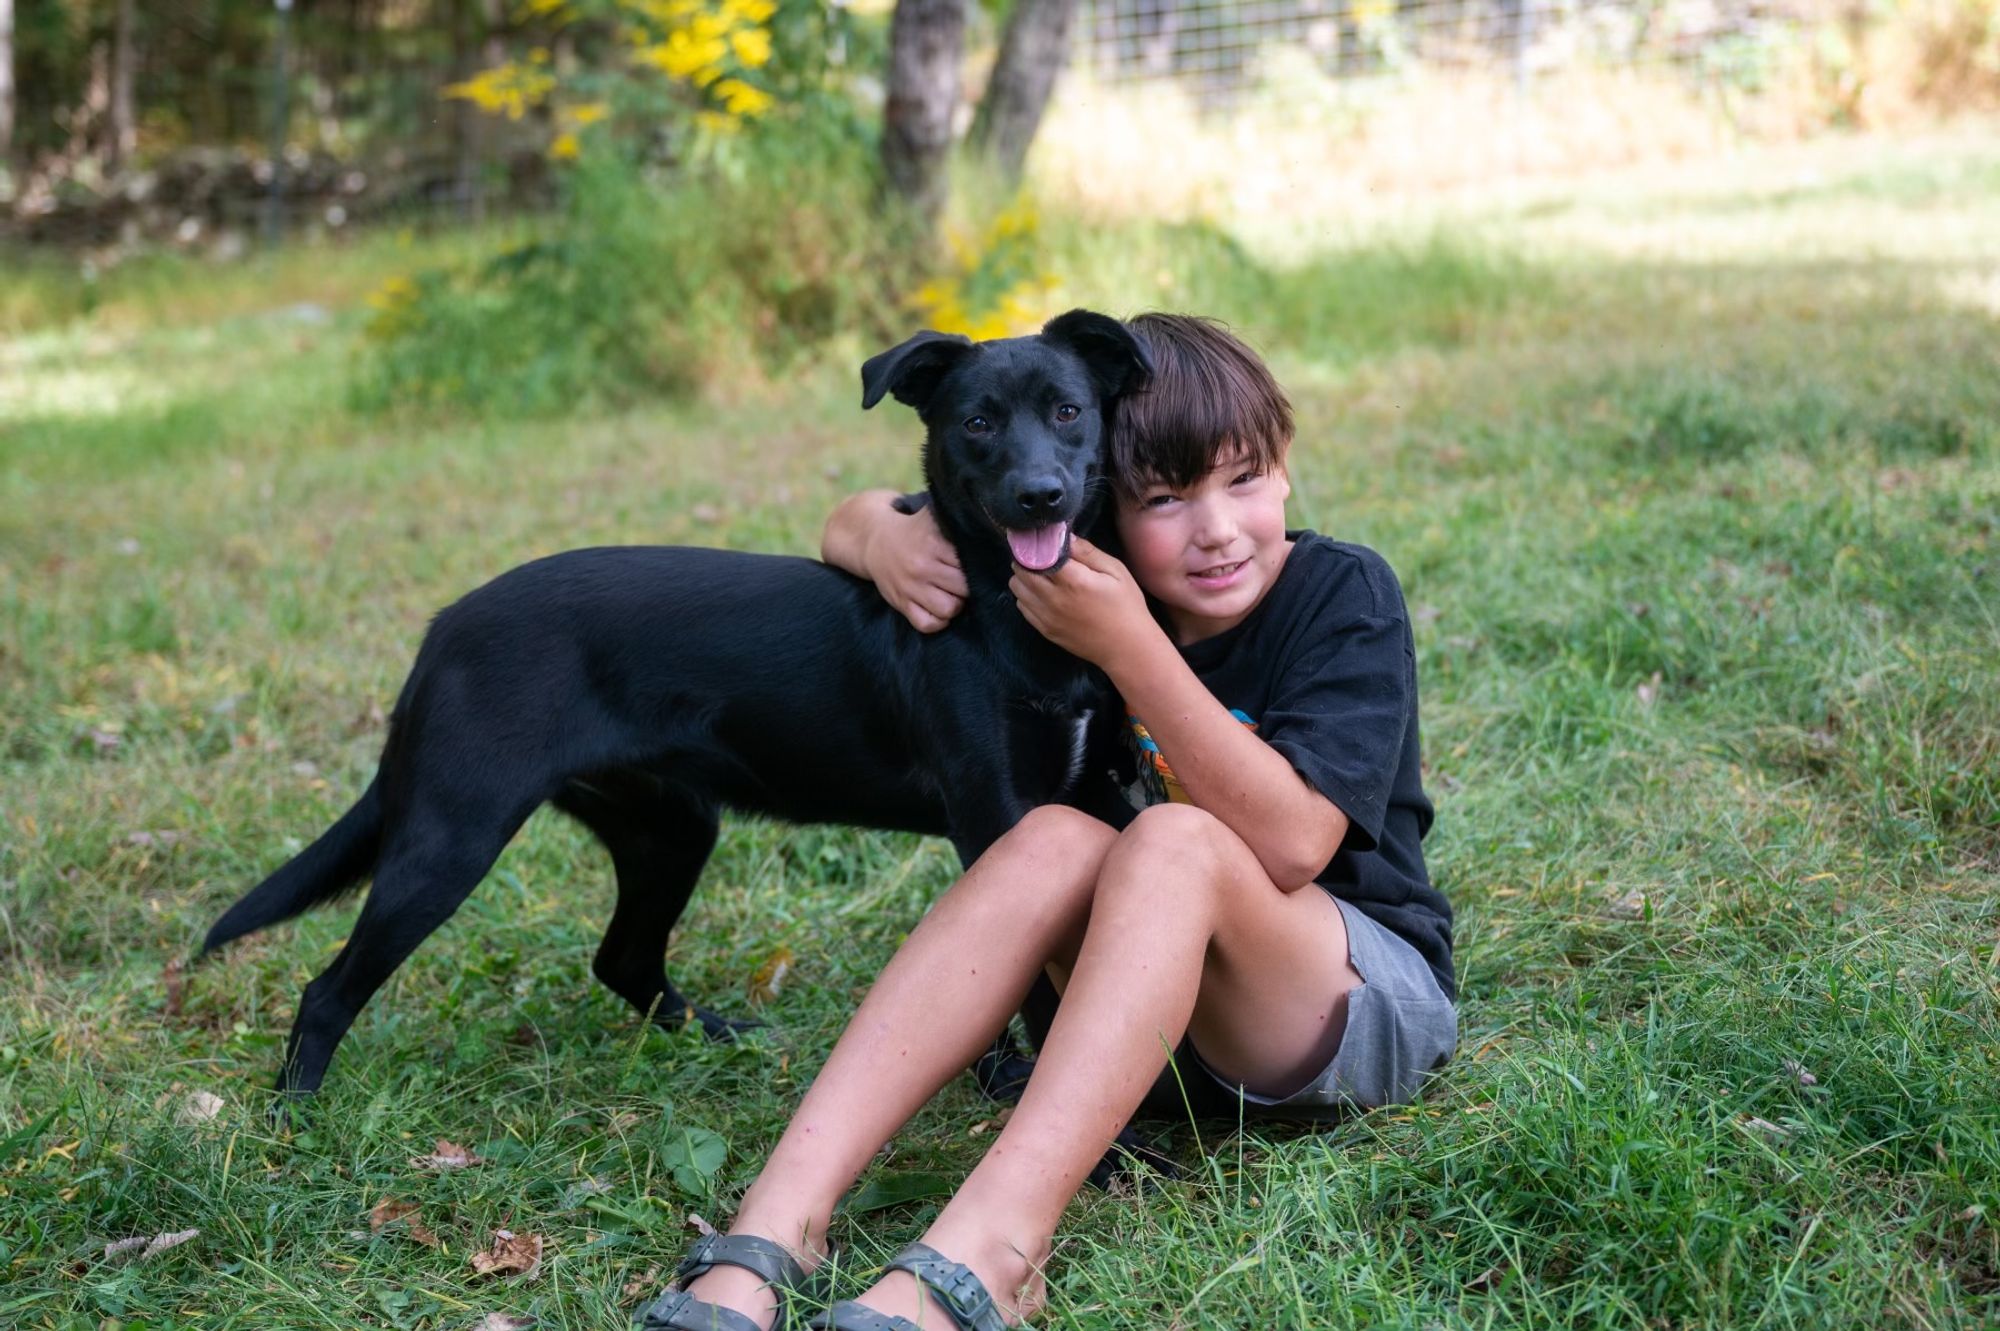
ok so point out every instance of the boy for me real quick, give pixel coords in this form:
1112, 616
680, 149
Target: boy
1267, 913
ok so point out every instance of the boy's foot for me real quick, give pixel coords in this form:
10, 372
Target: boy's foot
750, 1293
1013, 1282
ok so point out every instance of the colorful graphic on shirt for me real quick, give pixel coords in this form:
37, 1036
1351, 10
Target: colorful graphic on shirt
1157, 783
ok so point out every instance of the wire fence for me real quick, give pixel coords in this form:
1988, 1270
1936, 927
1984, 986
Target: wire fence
1219, 49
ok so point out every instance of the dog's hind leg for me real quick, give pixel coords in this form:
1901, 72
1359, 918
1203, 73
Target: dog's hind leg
659, 840
428, 868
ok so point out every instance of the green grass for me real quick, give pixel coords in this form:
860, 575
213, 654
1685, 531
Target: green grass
1703, 550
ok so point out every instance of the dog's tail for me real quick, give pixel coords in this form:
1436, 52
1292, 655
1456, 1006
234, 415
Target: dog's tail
330, 866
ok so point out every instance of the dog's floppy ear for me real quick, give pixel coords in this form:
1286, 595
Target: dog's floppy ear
911, 371
1116, 357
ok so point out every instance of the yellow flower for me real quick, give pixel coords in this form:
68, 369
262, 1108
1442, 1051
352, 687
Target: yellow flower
752, 46
508, 89
715, 122
565, 148
587, 113
740, 99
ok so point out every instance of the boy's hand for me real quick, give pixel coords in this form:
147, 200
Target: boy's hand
915, 568
1090, 607
903, 554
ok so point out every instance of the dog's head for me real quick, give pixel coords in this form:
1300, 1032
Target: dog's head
1015, 428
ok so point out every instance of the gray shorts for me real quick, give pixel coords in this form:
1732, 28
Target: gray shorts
1400, 1028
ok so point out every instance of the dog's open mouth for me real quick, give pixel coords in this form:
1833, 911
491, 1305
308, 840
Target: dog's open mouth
1040, 548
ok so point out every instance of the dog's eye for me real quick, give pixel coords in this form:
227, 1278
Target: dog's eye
978, 425
1068, 412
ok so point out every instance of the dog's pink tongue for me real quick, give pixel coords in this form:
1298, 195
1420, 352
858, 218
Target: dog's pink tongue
1040, 548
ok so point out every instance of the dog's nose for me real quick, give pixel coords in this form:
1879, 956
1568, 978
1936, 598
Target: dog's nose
1042, 497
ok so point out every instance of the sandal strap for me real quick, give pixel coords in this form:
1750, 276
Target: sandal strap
952, 1285
759, 1256
678, 1310
847, 1315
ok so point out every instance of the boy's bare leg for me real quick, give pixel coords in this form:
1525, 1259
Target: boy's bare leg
938, 1004
1185, 932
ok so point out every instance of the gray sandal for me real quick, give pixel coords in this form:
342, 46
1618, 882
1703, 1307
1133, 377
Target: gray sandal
678, 1310
951, 1285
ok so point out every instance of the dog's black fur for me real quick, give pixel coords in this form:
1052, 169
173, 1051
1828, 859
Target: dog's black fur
644, 689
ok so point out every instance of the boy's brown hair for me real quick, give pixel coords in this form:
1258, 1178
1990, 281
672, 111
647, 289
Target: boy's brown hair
1209, 395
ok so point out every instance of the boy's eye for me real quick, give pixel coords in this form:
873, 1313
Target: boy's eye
978, 425
1246, 476
1156, 501
1068, 412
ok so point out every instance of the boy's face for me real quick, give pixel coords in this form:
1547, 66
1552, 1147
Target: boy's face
1208, 552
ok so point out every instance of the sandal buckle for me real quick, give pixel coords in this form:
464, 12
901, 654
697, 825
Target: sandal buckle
967, 1297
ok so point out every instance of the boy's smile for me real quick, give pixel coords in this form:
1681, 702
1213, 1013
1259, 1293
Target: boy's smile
1208, 552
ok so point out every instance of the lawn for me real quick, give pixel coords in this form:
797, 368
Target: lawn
1693, 482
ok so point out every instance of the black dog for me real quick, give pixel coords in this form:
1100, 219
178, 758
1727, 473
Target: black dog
644, 689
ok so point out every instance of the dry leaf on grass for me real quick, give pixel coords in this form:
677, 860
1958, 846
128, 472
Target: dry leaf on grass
144, 1248
176, 986
994, 1124
391, 1209
502, 1322
699, 1225
447, 1155
770, 976
198, 1107
511, 1254
1649, 692
638, 1287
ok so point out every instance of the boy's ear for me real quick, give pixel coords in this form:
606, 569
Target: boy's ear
911, 371
1117, 359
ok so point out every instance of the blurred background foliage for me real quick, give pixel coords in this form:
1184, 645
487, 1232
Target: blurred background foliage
669, 192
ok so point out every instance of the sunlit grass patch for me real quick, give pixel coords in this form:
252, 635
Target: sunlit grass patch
1700, 552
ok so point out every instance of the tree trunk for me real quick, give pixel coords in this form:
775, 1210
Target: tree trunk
1032, 55
123, 134
6, 79
926, 48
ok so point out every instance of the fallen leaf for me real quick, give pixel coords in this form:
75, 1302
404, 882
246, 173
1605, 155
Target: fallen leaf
145, 1249
175, 984
770, 976
502, 1322
511, 1254
1799, 1074
390, 1209
994, 1124
199, 1107
1649, 692
1631, 906
699, 1225
1485, 1280
624, 1121
638, 1287
1768, 1128
447, 1155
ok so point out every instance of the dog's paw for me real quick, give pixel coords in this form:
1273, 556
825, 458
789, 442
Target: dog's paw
1121, 1168
1002, 1072
715, 1026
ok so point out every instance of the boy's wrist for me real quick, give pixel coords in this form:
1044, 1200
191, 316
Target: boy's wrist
1141, 658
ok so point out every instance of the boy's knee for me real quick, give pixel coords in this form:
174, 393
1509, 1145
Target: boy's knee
1176, 831
1175, 850
1063, 831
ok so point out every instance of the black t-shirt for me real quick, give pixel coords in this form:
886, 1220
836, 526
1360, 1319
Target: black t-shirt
1324, 670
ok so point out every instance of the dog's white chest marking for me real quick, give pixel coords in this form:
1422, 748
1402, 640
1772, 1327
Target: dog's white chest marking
1077, 733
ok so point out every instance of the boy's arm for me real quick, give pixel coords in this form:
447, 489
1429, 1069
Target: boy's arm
1093, 608
903, 554
1225, 768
